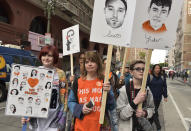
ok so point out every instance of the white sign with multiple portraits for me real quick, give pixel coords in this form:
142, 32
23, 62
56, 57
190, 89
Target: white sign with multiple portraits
70, 38
29, 91
136, 23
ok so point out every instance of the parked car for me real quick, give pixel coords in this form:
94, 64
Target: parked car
8, 56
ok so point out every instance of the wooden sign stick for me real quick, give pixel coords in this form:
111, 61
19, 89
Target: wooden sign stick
71, 64
126, 56
147, 66
104, 94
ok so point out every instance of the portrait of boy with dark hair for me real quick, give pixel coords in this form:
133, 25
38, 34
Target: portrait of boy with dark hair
16, 70
158, 12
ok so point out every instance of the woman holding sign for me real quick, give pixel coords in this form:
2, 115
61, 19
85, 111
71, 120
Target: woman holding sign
130, 117
85, 97
56, 115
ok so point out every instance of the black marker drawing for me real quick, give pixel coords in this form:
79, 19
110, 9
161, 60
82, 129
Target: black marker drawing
49, 74
69, 38
37, 101
15, 82
29, 110
25, 74
17, 70
14, 92
115, 12
22, 85
34, 73
21, 100
42, 76
48, 85
158, 12
43, 110
13, 108
30, 99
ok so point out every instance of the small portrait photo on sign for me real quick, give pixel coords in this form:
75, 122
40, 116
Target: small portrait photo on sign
70, 37
155, 23
112, 21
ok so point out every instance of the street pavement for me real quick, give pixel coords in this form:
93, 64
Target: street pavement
174, 115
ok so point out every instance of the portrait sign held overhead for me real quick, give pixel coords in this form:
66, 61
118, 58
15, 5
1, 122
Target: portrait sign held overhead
70, 37
112, 22
29, 91
155, 23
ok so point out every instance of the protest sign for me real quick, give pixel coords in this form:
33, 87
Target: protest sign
29, 91
155, 24
133, 23
70, 38
112, 22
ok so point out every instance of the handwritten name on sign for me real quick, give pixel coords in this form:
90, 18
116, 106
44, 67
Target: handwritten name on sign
109, 34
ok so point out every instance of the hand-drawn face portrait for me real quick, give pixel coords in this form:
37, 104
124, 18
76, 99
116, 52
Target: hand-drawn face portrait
42, 76
23, 85
115, 12
30, 99
15, 82
16, 70
25, 74
34, 73
48, 85
29, 110
158, 12
37, 101
14, 92
49, 74
20, 100
43, 110
13, 108
69, 38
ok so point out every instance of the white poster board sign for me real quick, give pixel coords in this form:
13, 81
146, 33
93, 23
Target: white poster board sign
155, 23
29, 91
112, 21
70, 38
144, 24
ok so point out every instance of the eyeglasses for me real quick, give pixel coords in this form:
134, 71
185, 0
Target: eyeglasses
139, 69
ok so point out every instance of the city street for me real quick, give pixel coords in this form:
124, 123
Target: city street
174, 115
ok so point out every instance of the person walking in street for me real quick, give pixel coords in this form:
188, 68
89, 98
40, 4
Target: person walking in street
130, 117
57, 111
185, 76
88, 89
157, 84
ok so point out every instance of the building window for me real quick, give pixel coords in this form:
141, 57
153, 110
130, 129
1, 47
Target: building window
3, 15
38, 25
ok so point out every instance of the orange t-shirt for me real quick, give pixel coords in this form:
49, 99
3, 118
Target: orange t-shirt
89, 89
147, 27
